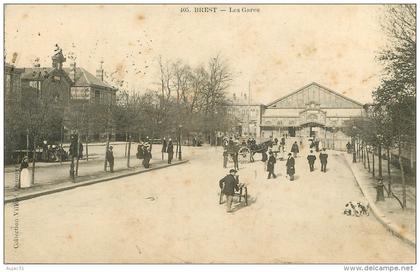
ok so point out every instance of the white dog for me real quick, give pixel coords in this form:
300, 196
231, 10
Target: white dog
356, 209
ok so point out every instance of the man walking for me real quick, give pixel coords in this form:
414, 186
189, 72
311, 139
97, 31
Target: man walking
270, 165
311, 160
228, 185
164, 146
225, 158
235, 157
295, 149
170, 150
290, 164
110, 159
323, 157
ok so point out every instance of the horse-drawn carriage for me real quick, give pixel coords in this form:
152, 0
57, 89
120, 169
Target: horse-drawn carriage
246, 151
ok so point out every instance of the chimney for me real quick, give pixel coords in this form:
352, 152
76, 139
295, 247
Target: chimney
72, 73
100, 72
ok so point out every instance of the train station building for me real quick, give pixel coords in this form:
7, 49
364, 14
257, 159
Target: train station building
311, 111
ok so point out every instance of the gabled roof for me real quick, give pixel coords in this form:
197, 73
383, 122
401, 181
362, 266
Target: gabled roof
316, 84
82, 78
86, 79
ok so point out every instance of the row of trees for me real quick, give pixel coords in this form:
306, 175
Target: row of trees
188, 101
390, 123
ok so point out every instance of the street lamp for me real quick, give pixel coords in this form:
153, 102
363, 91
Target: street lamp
353, 143
179, 139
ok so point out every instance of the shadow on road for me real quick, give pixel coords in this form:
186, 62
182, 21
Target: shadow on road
240, 205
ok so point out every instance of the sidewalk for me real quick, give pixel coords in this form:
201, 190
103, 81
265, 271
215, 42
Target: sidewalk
54, 177
401, 223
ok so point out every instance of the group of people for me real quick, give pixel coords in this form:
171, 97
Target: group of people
231, 147
323, 158
144, 153
290, 166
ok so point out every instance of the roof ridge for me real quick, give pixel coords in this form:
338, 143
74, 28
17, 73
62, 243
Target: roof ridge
306, 86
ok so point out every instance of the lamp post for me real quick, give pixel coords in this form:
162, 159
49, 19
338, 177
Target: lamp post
179, 139
353, 144
333, 136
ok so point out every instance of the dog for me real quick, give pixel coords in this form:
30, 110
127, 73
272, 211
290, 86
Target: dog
356, 209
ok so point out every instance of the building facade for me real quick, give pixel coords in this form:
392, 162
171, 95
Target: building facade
311, 111
68, 86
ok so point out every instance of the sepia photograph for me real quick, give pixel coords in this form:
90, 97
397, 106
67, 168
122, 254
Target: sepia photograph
211, 133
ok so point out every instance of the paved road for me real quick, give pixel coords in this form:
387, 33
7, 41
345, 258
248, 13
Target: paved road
172, 215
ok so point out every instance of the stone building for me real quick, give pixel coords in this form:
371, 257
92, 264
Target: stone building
311, 111
248, 116
68, 86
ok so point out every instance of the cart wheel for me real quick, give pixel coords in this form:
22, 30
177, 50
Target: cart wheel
246, 196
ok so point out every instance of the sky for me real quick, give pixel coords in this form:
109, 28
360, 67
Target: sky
275, 51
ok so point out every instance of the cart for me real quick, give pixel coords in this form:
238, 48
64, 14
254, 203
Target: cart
242, 193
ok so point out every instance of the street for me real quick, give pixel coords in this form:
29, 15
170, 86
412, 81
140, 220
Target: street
173, 216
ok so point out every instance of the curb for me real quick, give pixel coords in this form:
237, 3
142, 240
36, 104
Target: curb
388, 224
85, 183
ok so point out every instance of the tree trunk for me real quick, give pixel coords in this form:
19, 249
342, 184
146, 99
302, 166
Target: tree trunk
87, 146
126, 141
106, 149
61, 144
78, 155
128, 151
177, 146
402, 176
373, 162
33, 163
380, 161
363, 155
358, 149
389, 172
367, 157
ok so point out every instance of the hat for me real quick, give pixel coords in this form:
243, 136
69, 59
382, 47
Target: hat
232, 170
290, 154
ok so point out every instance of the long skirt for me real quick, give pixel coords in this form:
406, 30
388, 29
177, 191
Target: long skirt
25, 178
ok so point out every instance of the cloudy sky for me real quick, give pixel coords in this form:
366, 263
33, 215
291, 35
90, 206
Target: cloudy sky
278, 49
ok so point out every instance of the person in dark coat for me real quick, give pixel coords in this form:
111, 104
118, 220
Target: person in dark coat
164, 146
235, 157
282, 141
264, 156
110, 158
228, 185
323, 157
290, 164
270, 165
311, 160
348, 146
140, 152
225, 158
146, 156
295, 149
170, 150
